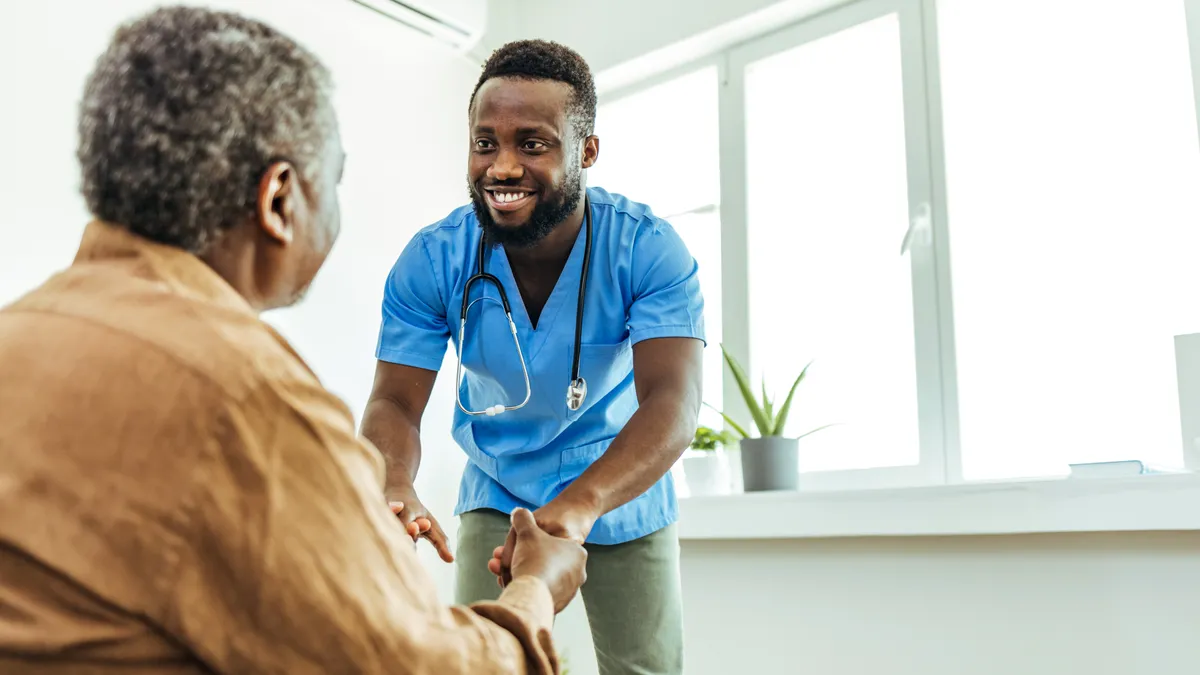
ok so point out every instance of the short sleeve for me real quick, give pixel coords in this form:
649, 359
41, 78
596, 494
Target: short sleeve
667, 301
413, 331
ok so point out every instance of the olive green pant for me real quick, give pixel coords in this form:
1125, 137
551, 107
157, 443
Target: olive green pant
632, 593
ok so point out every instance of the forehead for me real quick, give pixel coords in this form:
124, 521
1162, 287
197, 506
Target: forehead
504, 102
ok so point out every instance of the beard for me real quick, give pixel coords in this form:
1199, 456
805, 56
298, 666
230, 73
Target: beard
545, 217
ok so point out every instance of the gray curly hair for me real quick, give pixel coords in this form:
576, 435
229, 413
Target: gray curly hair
184, 112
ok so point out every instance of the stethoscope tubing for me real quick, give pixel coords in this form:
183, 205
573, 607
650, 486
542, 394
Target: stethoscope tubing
577, 388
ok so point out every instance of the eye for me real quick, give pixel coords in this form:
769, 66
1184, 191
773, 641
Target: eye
533, 146
483, 144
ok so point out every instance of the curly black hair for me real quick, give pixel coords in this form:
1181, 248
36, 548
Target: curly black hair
544, 60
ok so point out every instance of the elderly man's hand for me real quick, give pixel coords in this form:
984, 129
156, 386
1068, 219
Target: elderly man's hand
560, 563
560, 518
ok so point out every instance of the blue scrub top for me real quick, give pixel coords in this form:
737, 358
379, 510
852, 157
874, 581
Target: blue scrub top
642, 283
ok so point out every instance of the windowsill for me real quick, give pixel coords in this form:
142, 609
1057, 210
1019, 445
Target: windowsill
1135, 503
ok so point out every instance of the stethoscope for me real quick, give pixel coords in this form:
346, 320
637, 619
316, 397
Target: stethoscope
577, 388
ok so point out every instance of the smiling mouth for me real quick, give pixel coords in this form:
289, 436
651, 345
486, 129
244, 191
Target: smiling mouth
508, 200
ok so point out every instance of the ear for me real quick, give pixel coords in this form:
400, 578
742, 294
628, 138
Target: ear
591, 151
276, 191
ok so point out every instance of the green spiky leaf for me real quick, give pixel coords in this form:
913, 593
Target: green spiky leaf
736, 427
743, 384
813, 431
768, 408
786, 408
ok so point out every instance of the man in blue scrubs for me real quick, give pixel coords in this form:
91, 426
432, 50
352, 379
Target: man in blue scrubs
598, 474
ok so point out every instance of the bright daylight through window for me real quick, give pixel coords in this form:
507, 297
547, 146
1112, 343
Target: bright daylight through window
1060, 160
1074, 207
824, 129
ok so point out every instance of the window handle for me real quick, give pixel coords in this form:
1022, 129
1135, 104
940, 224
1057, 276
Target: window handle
920, 229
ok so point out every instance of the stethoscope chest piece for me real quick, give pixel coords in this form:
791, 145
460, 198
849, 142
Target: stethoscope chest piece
576, 393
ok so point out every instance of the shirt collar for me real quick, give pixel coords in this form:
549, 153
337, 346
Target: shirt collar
183, 272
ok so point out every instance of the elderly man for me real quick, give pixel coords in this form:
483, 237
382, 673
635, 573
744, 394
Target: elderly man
178, 493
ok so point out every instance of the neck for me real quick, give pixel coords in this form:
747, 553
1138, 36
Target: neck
235, 262
554, 247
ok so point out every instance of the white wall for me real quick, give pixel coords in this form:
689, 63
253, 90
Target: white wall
1049, 604
402, 104
1080, 604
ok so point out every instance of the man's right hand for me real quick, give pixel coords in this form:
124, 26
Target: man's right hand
560, 563
417, 521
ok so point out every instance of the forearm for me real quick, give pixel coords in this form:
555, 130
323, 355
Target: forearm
641, 454
397, 437
523, 608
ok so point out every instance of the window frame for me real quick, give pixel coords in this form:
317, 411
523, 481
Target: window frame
940, 460
1191, 10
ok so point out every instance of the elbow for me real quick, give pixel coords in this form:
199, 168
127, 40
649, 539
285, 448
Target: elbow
689, 419
682, 411
387, 416
386, 404
685, 432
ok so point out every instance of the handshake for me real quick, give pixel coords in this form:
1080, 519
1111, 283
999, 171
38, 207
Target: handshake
530, 550
559, 561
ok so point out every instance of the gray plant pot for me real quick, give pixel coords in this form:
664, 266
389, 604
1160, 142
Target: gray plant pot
771, 463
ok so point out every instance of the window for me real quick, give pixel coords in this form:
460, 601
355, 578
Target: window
825, 126
658, 147
1073, 171
1040, 162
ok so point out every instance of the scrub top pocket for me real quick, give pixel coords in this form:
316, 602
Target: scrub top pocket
603, 366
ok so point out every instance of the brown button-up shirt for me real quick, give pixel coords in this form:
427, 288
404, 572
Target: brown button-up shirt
179, 494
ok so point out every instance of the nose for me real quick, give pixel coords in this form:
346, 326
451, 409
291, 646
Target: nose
506, 167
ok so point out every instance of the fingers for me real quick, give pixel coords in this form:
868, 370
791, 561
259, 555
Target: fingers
437, 537
496, 566
506, 556
523, 521
423, 525
411, 526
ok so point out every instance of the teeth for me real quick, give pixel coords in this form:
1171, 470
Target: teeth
505, 197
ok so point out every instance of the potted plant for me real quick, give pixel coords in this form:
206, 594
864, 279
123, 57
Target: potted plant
707, 469
770, 461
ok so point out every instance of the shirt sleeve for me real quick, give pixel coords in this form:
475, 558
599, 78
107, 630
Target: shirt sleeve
295, 564
413, 331
666, 301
